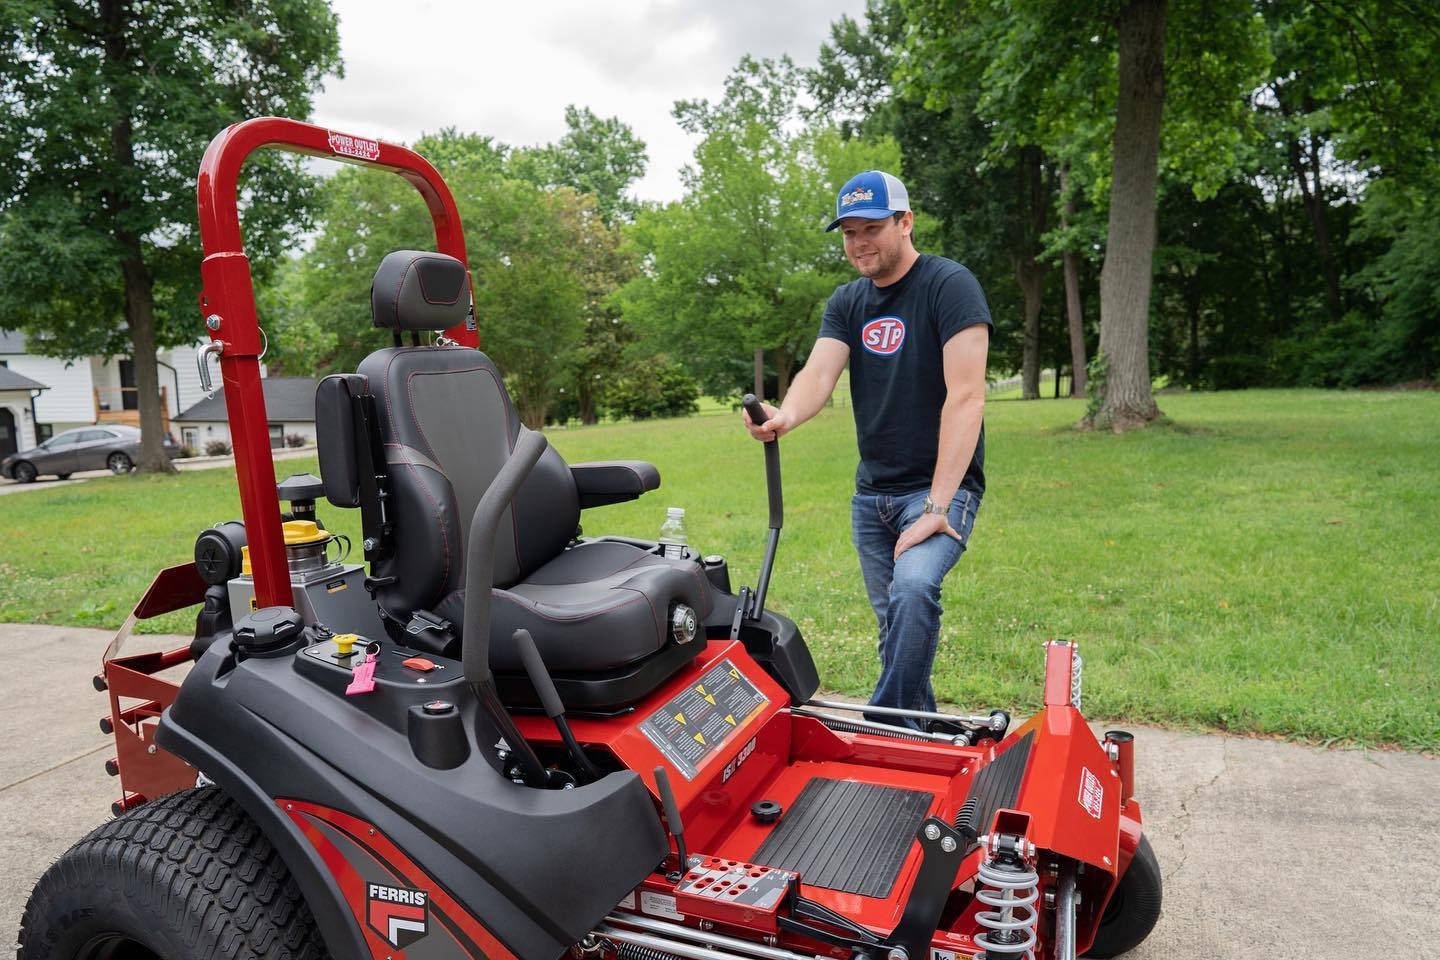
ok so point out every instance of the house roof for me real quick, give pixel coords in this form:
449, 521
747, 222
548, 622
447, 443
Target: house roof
287, 400
12, 341
10, 380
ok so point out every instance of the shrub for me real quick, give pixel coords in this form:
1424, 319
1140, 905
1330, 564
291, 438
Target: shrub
650, 387
217, 448
294, 440
187, 451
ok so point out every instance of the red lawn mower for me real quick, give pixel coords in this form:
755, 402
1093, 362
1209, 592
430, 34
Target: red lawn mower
511, 741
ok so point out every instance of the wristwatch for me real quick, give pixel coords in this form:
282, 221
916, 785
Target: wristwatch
931, 506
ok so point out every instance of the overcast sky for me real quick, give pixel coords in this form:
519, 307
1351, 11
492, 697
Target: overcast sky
509, 69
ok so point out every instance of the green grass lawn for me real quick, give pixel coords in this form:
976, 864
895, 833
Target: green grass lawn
1270, 563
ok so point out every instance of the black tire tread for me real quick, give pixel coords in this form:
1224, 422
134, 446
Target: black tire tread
1139, 911
197, 867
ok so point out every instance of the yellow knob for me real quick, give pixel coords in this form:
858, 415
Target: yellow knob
344, 642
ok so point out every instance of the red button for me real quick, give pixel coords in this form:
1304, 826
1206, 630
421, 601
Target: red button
419, 663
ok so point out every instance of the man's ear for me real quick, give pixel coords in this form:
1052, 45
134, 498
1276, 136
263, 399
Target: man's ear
907, 224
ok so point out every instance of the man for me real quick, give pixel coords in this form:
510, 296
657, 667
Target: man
914, 329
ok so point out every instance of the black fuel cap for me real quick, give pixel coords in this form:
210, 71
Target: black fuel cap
766, 811
438, 708
268, 628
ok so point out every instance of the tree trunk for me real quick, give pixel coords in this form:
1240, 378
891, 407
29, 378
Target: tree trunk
139, 293
1075, 318
1192, 303
760, 374
586, 400
1125, 279
140, 317
1028, 272
1031, 277
783, 364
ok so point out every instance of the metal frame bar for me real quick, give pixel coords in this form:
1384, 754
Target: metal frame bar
972, 720
702, 937
228, 303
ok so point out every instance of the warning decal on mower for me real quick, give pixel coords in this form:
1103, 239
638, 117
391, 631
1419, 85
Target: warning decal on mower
1092, 793
398, 914
693, 725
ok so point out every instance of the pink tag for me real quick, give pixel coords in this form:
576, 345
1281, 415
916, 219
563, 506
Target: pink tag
363, 678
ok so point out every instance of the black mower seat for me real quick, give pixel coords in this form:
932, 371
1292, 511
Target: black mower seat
601, 604
446, 426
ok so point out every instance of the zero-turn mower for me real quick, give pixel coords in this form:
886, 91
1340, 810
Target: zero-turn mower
509, 740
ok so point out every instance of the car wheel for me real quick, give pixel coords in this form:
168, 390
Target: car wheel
24, 472
119, 463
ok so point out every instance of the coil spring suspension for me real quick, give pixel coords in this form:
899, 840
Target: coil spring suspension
1010, 888
633, 951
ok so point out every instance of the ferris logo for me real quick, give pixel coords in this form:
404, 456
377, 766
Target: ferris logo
357, 147
883, 335
1092, 793
398, 914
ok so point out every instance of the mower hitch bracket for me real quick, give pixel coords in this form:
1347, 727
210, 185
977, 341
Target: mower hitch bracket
942, 850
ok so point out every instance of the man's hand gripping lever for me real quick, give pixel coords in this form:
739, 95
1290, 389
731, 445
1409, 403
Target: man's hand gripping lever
751, 605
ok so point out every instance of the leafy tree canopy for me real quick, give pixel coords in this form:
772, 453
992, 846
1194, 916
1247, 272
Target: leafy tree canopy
742, 263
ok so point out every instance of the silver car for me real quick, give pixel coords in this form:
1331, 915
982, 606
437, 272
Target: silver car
115, 447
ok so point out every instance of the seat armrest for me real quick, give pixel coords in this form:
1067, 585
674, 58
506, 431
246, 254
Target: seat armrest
613, 481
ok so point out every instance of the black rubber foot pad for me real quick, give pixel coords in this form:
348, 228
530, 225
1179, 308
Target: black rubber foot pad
847, 836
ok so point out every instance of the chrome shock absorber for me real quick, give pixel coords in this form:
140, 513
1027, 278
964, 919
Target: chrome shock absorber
1009, 886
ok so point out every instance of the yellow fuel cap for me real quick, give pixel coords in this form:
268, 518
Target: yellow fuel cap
345, 643
302, 531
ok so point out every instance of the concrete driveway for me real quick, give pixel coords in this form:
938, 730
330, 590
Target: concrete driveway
1268, 849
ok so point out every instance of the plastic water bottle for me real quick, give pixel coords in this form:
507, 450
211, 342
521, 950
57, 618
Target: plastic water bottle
672, 533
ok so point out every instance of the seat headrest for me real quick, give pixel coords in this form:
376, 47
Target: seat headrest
419, 290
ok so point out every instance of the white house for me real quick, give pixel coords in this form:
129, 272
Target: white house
289, 409
62, 394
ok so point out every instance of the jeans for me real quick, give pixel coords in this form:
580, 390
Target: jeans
906, 593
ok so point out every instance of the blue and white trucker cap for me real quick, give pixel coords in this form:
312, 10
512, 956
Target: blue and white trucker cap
873, 195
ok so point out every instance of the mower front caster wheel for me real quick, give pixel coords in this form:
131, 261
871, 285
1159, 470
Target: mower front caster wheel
1132, 911
187, 875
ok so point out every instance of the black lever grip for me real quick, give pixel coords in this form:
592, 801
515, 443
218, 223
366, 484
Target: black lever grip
753, 407
772, 465
539, 676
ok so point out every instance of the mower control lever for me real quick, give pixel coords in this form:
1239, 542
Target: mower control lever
672, 817
753, 609
550, 700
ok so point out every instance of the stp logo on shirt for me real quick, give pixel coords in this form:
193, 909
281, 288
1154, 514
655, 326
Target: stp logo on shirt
883, 336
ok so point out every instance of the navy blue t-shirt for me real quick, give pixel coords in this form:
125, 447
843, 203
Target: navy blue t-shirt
896, 336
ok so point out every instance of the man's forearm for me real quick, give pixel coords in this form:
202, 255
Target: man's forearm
807, 394
960, 419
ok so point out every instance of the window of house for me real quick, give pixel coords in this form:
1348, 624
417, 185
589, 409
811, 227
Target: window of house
44, 431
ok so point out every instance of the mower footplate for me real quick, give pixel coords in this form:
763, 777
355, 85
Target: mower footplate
847, 836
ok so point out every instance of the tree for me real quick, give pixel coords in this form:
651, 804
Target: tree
603, 158
598, 156
543, 261
109, 107
1031, 56
740, 267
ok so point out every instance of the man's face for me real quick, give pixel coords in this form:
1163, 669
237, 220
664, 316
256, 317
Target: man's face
875, 247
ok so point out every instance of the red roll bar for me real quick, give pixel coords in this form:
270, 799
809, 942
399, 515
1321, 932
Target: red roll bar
227, 300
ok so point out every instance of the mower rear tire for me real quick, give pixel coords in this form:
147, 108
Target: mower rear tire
1132, 911
189, 875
